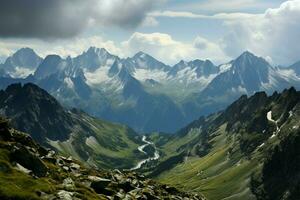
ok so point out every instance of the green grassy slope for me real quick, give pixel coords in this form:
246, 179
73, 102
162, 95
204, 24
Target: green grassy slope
226, 155
102, 144
71, 132
217, 175
31, 172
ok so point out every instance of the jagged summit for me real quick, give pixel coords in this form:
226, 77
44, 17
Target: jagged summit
249, 59
50, 65
247, 53
141, 54
97, 51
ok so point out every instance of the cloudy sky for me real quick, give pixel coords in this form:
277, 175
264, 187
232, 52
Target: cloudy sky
170, 30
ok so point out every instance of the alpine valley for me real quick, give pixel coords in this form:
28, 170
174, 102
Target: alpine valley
235, 128
142, 92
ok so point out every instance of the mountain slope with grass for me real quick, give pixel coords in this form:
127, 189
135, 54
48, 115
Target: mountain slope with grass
70, 132
30, 172
248, 151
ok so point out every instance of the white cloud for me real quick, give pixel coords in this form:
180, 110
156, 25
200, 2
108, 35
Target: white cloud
150, 21
217, 6
180, 14
77, 45
72, 47
161, 46
275, 34
165, 48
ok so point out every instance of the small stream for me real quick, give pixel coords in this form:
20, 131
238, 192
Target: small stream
150, 158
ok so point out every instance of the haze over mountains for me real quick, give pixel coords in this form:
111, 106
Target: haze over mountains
143, 92
248, 151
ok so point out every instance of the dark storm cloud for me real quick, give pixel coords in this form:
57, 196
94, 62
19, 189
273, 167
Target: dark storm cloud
41, 18
67, 18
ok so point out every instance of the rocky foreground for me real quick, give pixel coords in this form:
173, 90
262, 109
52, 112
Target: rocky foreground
29, 171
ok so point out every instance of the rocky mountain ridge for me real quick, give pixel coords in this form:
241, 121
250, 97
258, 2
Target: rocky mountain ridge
240, 153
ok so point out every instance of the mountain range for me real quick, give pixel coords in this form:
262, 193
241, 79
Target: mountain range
143, 92
250, 150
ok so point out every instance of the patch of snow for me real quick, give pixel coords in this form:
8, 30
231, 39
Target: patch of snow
269, 117
114, 84
225, 67
143, 55
98, 76
288, 74
69, 82
144, 74
110, 62
239, 89
21, 72
273, 81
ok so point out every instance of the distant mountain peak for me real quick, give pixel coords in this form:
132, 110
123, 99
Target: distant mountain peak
52, 56
48, 66
208, 62
24, 58
248, 59
142, 55
197, 61
247, 55
26, 50
181, 62
97, 51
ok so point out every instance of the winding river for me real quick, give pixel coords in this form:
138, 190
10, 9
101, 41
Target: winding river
150, 158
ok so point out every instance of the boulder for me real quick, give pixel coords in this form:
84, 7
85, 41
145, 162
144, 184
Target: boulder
100, 186
126, 186
25, 158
